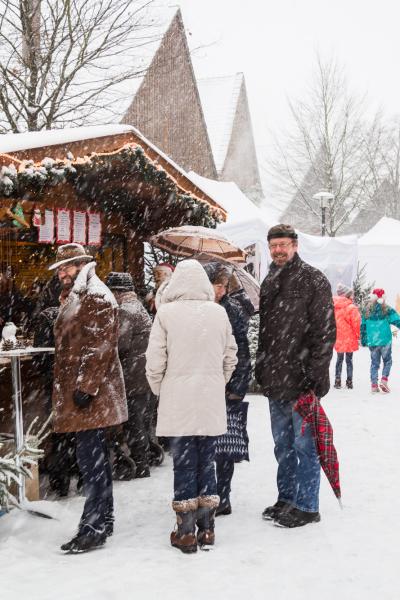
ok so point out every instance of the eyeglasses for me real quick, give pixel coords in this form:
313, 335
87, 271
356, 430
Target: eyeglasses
280, 245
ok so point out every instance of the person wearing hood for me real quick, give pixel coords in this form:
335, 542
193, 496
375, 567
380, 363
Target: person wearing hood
89, 392
190, 358
376, 333
348, 321
134, 332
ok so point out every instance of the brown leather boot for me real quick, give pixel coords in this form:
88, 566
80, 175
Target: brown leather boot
184, 537
206, 520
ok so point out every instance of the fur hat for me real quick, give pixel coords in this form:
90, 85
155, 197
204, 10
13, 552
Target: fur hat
344, 290
69, 253
281, 231
120, 281
378, 295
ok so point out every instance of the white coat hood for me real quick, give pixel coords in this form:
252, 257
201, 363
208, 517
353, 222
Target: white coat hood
188, 282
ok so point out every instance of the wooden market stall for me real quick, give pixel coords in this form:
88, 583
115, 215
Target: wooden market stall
106, 187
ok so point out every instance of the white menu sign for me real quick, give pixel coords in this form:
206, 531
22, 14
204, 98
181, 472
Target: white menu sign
63, 226
46, 229
94, 236
79, 229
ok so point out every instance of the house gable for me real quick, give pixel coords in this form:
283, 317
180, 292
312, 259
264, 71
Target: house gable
167, 108
230, 130
241, 163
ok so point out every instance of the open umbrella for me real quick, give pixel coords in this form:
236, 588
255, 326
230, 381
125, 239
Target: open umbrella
247, 281
190, 241
308, 406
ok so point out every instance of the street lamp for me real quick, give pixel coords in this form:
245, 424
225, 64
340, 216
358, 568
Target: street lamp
325, 200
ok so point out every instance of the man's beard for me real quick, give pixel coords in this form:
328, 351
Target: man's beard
280, 259
68, 283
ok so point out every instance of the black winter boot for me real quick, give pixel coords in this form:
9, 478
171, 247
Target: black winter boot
337, 384
206, 520
296, 518
272, 512
349, 384
184, 535
84, 541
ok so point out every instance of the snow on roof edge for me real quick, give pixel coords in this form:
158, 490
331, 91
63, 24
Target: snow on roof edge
14, 142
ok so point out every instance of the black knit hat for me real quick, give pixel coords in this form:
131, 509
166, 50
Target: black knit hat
282, 231
120, 281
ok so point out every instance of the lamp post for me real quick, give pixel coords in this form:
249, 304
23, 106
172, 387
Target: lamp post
325, 200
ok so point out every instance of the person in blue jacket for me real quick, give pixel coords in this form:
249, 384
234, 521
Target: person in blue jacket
236, 389
376, 333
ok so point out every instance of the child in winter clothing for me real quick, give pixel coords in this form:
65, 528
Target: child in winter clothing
348, 320
377, 335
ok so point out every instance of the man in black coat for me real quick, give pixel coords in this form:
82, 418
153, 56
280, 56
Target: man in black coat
296, 339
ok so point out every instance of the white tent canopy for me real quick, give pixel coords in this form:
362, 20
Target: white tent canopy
247, 227
379, 251
385, 233
336, 257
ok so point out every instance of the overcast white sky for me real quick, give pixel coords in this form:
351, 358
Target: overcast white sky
274, 42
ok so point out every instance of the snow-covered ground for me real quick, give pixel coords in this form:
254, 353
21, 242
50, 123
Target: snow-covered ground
351, 554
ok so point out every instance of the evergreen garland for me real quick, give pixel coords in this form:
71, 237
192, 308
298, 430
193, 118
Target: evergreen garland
50, 172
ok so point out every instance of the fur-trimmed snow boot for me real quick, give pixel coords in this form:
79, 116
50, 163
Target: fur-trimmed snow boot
206, 520
184, 535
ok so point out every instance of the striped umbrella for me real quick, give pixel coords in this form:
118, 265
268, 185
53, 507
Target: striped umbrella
190, 241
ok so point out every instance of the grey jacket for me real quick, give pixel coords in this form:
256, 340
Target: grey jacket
133, 339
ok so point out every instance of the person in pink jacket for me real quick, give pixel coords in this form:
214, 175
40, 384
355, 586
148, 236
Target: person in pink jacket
348, 320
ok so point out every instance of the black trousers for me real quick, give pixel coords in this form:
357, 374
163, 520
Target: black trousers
138, 427
94, 465
61, 464
225, 469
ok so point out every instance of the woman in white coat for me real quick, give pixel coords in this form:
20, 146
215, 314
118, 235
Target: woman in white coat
190, 358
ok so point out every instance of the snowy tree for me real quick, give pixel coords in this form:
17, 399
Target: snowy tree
385, 165
362, 288
326, 149
63, 61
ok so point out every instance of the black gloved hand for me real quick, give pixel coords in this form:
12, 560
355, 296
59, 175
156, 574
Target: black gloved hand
81, 399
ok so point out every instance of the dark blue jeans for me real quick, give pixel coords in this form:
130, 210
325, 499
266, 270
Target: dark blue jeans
349, 364
299, 469
194, 468
95, 468
225, 469
378, 353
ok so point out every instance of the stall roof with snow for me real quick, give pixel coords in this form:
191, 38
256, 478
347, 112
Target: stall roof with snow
132, 166
111, 171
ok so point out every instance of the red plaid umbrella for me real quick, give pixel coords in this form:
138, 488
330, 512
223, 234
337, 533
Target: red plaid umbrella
308, 406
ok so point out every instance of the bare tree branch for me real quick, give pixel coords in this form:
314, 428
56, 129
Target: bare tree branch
59, 59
